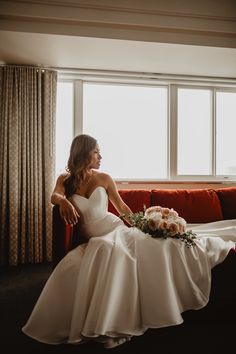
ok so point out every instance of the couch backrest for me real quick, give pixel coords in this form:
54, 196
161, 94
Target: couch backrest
194, 205
227, 197
134, 198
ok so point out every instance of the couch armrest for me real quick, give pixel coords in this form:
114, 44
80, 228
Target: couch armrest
223, 279
61, 236
64, 237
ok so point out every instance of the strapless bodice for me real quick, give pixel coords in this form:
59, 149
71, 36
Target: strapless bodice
98, 221
93, 208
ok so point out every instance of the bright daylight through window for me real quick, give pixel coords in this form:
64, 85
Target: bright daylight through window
64, 124
194, 132
130, 123
141, 138
226, 128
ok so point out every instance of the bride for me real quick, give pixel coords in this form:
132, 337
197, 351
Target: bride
120, 282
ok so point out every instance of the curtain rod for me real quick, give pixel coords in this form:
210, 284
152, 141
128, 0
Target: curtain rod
29, 66
142, 75
130, 74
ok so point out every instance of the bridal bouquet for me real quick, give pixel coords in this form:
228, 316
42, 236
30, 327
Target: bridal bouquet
162, 222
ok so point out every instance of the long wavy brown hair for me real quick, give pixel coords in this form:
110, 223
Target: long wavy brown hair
78, 162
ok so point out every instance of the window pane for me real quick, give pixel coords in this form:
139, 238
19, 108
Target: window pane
225, 133
130, 124
194, 132
64, 124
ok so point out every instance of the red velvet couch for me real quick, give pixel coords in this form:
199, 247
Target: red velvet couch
194, 205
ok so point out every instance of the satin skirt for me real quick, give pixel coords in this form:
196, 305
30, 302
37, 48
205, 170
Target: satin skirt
124, 282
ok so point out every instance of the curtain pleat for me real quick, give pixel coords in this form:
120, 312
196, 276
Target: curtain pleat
27, 150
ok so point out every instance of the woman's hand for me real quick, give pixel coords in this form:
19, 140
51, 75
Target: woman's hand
68, 212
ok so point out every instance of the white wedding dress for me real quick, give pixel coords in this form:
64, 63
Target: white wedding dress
123, 282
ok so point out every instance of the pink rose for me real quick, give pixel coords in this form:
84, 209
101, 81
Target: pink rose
173, 228
181, 229
182, 225
165, 213
152, 224
163, 225
152, 209
173, 213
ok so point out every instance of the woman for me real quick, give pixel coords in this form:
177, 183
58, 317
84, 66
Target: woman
82, 178
120, 282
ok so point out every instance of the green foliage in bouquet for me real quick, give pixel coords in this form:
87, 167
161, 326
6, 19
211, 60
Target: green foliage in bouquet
159, 222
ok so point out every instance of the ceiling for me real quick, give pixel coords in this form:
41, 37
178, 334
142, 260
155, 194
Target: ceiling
62, 51
157, 37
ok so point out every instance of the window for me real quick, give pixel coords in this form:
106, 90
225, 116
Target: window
225, 133
130, 124
151, 132
64, 124
194, 121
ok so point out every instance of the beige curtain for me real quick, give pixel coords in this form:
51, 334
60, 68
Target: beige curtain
27, 128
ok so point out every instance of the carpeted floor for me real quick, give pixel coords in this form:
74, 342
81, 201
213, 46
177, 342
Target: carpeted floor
209, 330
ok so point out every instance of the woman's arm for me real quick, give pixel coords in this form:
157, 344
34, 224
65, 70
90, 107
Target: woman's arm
66, 208
116, 199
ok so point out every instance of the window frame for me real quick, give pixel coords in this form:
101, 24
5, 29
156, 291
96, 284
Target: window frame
149, 180
221, 89
182, 177
172, 83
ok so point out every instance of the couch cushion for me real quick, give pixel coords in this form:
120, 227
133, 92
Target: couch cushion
194, 205
135, 199
227, 197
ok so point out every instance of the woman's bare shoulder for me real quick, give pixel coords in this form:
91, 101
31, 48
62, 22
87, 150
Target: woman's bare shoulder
63, 176
102, 176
